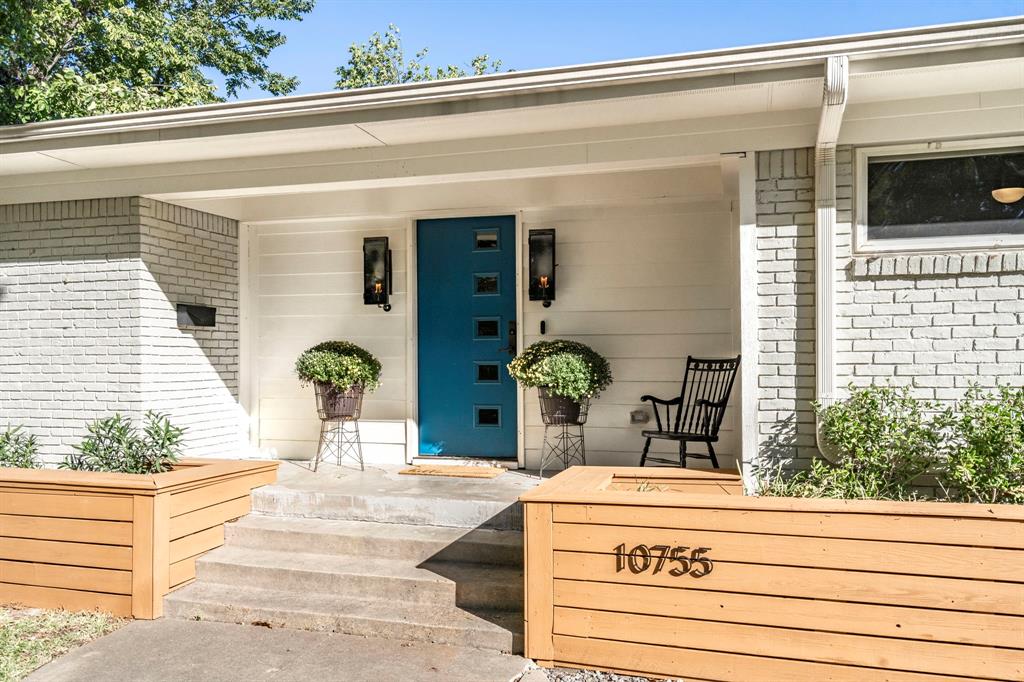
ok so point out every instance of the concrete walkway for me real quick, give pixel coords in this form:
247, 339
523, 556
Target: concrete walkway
151, 651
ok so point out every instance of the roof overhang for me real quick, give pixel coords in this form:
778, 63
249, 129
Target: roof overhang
780, 62
659, 108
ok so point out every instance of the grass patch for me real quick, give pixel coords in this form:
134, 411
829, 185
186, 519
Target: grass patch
31, 637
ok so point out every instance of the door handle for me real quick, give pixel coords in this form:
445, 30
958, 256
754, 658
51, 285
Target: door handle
511, 348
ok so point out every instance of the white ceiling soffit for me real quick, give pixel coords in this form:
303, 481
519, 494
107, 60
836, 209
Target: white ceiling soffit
711, 103
172, 151
932, 81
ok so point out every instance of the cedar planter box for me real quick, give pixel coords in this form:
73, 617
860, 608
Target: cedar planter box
768, 588
115, 542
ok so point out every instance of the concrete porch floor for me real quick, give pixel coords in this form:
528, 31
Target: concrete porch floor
381, 494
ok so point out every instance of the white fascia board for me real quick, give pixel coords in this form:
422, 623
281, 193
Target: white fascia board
761, 63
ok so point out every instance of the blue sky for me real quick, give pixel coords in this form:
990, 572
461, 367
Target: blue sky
528, 34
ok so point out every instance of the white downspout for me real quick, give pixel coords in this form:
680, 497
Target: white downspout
832, 107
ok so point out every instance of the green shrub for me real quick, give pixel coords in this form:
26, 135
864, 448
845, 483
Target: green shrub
339, 363
883, 439
115, 445
565, 368
18, 449
985, 452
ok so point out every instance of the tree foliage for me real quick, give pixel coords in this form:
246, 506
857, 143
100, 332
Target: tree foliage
68, 58
381, 61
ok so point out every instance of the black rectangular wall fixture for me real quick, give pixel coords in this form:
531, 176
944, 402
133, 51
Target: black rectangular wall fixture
542, 265
190, 315
377, 283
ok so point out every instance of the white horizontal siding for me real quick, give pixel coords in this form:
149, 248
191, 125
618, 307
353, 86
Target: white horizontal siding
646, 277
309, 289
645, 286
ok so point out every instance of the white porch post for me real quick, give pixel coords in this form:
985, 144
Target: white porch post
744, 170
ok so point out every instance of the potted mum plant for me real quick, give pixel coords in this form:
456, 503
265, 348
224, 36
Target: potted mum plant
567, 375
340, 372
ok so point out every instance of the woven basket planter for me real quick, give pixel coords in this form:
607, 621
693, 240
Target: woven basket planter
557, 410
336, 405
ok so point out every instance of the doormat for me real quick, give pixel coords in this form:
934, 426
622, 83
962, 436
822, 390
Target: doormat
454, 471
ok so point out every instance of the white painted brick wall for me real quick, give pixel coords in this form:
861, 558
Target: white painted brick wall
936, 323
83, 319
191, 373
785, 276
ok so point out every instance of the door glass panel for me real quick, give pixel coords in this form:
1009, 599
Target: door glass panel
486, 240
485, 284
488, 415
486, 328
487, 373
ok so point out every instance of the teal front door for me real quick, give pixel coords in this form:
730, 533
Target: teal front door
466, 336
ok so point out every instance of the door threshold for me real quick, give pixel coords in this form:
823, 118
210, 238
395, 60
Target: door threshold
441, 460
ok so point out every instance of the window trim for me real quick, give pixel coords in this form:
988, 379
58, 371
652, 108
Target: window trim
862, 246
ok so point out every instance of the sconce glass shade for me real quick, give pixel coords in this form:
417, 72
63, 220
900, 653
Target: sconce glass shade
376, 272
1008, 195
542, 265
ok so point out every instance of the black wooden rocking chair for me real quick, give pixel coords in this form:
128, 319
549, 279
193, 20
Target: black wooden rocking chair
699, 409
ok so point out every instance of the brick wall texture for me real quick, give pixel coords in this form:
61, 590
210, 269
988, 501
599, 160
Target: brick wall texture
934, 322
88, 324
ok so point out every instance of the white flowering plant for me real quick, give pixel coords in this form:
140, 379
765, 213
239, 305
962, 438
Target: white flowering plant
565, 368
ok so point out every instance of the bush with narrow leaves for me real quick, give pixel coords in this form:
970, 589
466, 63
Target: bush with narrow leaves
985, 450
565, 368
884, 440
18, 449
340, 364
115, 445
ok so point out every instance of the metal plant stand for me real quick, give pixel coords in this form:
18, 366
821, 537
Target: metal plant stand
339, 438
339, 424
564, 441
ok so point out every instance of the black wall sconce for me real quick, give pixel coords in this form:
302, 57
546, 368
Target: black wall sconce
377, 284
542, 266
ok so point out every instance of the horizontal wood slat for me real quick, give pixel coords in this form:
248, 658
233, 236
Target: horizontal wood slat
197, 543
207, 517
66, 530
67, 553
899, 528
101, 507
83, 541
867, 619
813, 583
711, 665
199, 498
857, 555
801, 645
70, 577
182, 572
72, 600
797, 589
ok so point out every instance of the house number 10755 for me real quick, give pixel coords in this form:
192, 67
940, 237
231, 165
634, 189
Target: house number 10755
680, 560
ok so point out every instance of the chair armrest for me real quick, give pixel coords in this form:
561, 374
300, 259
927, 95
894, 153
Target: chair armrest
655, 402
660, 401
707, 405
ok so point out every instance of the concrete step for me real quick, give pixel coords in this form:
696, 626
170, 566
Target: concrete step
340, 575
384, 507
368, 538
275, 608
